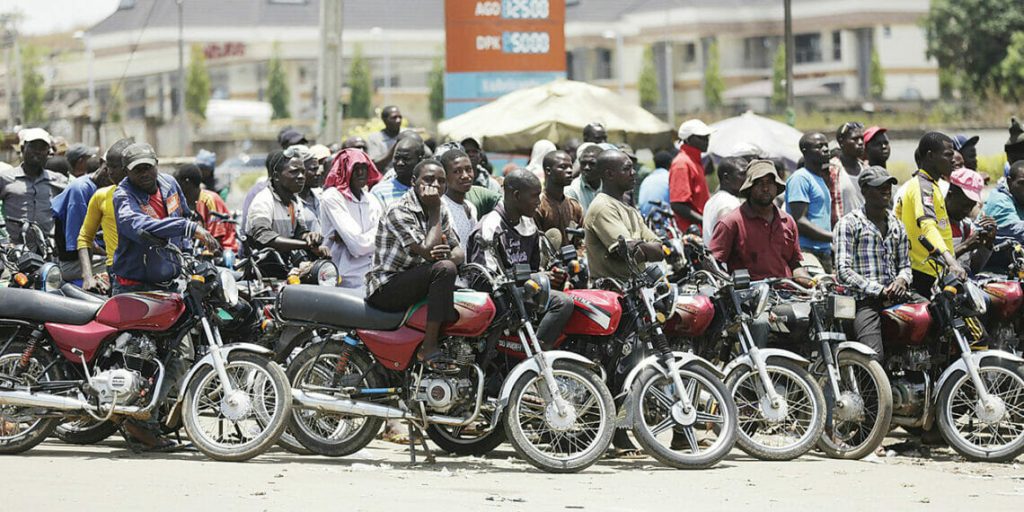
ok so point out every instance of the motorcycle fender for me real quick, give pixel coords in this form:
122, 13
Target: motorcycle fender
766, 353
530, 365
207, 360
681, 358
977, 358
856, 346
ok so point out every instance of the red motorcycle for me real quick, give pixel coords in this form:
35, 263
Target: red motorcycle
1005, 297
64, 359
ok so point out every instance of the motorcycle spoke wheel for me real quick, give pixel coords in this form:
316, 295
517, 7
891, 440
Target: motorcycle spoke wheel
329, 427
859, 429
21, 428
994, 433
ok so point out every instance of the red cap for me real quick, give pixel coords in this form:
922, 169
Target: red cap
872, 131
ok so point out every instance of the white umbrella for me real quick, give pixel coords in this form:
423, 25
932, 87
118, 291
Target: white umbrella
751, 133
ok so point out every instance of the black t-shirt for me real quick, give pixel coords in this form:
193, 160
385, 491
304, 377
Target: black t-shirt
521, 243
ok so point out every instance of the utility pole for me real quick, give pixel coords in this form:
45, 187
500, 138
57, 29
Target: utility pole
330, 67
790, 49
9, 37
670, 77
182, 112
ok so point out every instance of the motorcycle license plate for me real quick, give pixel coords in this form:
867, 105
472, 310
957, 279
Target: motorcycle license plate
843, 307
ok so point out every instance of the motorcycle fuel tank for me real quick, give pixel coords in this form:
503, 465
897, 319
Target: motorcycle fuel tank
693, 315
906, 324
149, 311
595, 313
1004, 298
476, 310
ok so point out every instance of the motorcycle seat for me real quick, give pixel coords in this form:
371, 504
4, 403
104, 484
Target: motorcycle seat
74, 292
39, 306
338, 307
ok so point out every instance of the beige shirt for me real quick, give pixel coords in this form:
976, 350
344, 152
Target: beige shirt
606, 220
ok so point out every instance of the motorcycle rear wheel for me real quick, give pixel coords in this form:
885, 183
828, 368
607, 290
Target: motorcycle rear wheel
653, 407
85, 431
20, 431
457, 441
856, 439
958, 413
567, 448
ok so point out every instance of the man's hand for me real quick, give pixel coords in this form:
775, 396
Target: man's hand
322, 251
430, 196
441, 252
985, 226
558, 278
206, 239
896, 289
90, 283
955, 268
313, 240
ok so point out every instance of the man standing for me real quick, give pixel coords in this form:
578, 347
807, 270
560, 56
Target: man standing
872, 260
101, 213
459, 172
845, 168
688, 188
69, 209
585, 187
732, 173
809, 200
78, 156
595, 133
483, 176
654, 188
557, 210
876, 146
26, 190
379, 145
922, 209
407, 153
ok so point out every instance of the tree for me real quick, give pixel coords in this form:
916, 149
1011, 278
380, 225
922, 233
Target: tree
713, 84
436, 80
1012, 69
197, 83
779, 79
971, 38
33, 89
360, 86
648, 81
876, 77
277, 87
115, 104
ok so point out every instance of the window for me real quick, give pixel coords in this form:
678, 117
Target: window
887, 31
759, 52
689, 52
603, 70
808, 48
837, 45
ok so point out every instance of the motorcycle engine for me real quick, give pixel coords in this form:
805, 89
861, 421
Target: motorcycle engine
120, 386
442, 393
910, 359
908, 397
125, 367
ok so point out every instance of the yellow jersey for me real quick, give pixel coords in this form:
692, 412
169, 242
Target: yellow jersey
922, 209
100, 214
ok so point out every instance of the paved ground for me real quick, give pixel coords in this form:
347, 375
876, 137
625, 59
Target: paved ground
56, 476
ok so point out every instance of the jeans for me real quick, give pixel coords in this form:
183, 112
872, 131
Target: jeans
555, 318
867, 325
435, 281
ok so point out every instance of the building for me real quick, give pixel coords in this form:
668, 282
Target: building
135, 51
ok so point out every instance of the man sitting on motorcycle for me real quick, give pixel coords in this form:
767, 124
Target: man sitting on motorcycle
871, 248
275, 217
972, 238
511, 224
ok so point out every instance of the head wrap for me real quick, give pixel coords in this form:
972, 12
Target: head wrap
340, 176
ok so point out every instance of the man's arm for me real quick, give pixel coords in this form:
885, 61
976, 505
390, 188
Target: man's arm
131, 221
804, 225
683, 210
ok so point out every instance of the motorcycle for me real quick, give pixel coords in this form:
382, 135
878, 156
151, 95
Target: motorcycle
557, 413
941, 372
65, 359
1004, 298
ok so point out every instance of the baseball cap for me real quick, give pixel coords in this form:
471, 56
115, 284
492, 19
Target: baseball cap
872, 131
875, 176
320, 151
961, 141
694, 127
757, 169
291, 137
970, 182
30, 134
138, 154
79, 151
472, 140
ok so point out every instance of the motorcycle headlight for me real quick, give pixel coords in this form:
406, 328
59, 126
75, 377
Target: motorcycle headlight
326, 273
977, 298
228, 287
842, 307
51, 278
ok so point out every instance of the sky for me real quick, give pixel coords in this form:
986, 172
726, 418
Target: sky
47, 16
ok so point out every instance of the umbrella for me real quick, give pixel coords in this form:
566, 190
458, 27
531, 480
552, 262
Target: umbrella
556, 111
751, 133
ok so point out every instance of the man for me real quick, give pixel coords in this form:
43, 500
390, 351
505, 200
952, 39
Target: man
153, 202
101, 213
922, 209
585, 187
1006, 204
511, 223
275, 217
310, 193
570, 147
483, 199
476, 156
407, 153
809, 200
556, 209
972, 239
688, 188
654, 188
300, 150
876, 146
610, 218
355, 142
78, 156
968, 149
379, 145
595, 133
203, 203
27, 190
69, 209
289, 137
1014, 146
459, 171
732, 174
871, 248
844, 169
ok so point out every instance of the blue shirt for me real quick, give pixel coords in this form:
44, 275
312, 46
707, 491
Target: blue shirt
804, 186
70, 206
389, 191
1009, 217
653, 189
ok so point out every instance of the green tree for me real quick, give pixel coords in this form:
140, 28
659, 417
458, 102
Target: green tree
648, 81
277, 87
437, 90
360, 84
971, 38
115, 104
713, 84
876, 77
1012, 68
33, 90
779, 79
197, 83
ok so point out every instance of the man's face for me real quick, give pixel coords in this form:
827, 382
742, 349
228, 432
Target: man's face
852, 144
735, 181
360, 176
942, 161
763, 191
460, 177
699, 141
527, 200
191, 193
474, 154
1016, 185
588, 166
622, 175
877, 198
816, 152
405, 160
877, 149
117, 172
143, 176
392, 120
431, 176
35, 153
958, 160
596, 134
312, 168
958, 205
560, 172
293, 177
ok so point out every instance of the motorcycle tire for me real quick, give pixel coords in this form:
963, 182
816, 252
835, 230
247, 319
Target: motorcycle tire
878, 397
749, 414
710, 396
527, 393
26, 439
457, 444
205, 385
299, 420
85, 431
1003, 379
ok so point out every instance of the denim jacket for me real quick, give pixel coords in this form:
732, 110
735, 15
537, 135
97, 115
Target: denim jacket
134, 259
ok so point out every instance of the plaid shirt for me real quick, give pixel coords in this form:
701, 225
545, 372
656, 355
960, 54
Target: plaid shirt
404, 224
867, 261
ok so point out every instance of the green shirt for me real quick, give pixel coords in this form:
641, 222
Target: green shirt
483, 198
606, 220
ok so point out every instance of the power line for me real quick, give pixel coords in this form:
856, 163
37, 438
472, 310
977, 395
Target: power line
135, 47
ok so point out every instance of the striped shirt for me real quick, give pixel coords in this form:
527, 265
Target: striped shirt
389, 191
867, 260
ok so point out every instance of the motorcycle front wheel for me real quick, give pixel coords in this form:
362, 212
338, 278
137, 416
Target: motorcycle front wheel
992, 431
556, 442
782, 431
245, 422
857, 429
694, 439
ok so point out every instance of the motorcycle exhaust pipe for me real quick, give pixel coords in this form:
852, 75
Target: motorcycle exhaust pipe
337, 405
64, 403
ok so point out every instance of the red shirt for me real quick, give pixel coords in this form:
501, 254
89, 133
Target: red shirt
742, 240
222, 231
687, 184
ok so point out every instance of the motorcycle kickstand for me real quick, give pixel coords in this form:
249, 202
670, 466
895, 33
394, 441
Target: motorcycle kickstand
417, 436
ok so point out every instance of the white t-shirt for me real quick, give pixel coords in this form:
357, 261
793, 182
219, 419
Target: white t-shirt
463, 217
718, 205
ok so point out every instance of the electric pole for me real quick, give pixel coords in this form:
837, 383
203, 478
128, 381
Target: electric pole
790, 49
330, 67
182, 111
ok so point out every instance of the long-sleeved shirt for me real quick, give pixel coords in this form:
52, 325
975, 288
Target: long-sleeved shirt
100, 214
868, 260
350, 230
1008, 215
69, 209
922, 209
135, 259
28, 198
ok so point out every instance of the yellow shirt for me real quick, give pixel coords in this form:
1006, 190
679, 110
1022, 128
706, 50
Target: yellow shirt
922, 209
100, 213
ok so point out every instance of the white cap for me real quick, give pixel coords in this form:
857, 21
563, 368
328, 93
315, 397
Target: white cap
694, 127
30, 134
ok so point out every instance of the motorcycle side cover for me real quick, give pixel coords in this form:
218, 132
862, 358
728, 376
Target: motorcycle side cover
906, 324
693, 315
149, 311
595, 313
